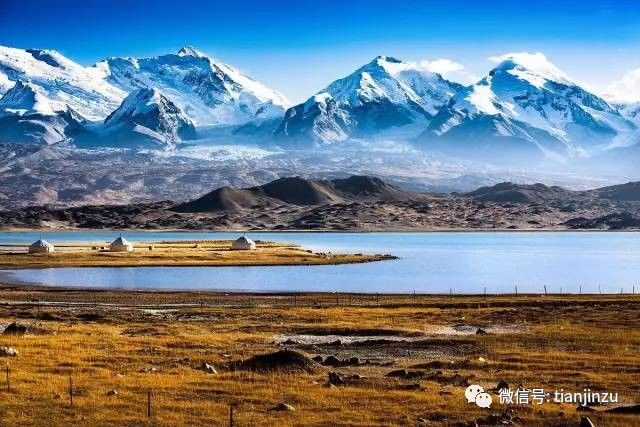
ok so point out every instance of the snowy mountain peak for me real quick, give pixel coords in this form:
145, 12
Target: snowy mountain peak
27, 115
383, 61
385, 94
60, 80
145, 117
138, 102
26, 98
526, 104
392, 66
208, 91
394, 80
535, 68
191, 51
52, 58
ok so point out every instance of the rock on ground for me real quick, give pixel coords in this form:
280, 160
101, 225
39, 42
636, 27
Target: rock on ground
15, 328
8, 352
283, 407
282, 360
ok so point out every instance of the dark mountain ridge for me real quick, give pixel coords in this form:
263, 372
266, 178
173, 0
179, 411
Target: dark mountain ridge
298, 191
508, 192
357, 203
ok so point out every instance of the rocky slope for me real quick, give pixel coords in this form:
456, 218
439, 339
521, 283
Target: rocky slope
357, 203
508, 192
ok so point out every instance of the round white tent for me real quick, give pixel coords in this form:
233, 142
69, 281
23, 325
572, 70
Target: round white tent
243, 243
41, 247
121, 245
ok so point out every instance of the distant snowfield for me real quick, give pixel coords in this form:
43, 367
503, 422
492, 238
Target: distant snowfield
219, 153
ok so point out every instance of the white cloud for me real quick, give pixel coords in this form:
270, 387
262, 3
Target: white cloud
448, 69
625, 90
441, 66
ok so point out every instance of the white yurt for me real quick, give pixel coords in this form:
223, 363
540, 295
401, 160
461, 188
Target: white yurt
121, 245
243, 243
41, 247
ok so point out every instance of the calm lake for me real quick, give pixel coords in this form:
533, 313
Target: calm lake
429, 263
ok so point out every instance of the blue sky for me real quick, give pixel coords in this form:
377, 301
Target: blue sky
298, 47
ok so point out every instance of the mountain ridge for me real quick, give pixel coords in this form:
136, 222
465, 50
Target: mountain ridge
297, 191
525, 103
524, 112
384, 93
210, 92
358, 203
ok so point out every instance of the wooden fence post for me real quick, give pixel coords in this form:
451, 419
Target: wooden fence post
148, 403
70, 391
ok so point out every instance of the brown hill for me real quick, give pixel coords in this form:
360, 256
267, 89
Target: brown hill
225, 199
629, 192
508, 192
298, 191
370, 188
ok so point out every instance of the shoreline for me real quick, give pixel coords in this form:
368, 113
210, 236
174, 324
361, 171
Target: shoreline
5, 285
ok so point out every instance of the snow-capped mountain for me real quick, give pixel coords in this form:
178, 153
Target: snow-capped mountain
146, 118
525, 106
193, 89
208, 91
25, 98
385, 93
28, 116
60, 80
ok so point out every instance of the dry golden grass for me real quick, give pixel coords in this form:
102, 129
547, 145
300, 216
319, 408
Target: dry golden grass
208, 253
567, 342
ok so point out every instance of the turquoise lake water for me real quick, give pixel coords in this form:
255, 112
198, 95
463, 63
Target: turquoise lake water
429, 263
